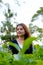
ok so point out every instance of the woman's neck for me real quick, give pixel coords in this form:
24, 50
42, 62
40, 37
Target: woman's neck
20, 39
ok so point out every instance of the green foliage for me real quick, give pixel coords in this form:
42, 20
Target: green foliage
39, 12
38, 52
8, 27
8, 37
27, 43
35, 29
14, 45
34, 17
6, 57
39, 62
40, 30
0, 0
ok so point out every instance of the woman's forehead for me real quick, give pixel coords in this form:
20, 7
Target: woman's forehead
19, 26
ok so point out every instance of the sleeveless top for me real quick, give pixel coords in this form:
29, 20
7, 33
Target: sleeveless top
15, 51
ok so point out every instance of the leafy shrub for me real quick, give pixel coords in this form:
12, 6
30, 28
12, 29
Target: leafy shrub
6, 57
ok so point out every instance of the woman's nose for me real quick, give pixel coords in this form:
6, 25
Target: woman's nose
19, 30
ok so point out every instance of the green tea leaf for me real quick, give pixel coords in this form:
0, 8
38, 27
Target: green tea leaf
14, 45
27, 43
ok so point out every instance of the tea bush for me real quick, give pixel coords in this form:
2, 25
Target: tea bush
6, 57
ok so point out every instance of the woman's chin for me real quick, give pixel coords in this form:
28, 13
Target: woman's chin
20, 35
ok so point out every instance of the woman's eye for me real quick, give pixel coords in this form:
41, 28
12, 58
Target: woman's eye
17, 29
21, 29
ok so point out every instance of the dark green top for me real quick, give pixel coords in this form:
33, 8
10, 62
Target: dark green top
15, 51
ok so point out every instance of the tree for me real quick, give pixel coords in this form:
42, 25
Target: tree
38, 12
35, 28
7, 26
0, 0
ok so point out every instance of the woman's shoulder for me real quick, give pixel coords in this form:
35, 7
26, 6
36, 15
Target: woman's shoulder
14, 41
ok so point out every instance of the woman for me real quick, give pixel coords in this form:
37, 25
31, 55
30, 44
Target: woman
22, 34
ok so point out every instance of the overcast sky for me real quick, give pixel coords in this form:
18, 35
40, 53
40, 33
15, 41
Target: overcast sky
25, 9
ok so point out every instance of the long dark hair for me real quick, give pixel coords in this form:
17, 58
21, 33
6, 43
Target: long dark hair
27, 31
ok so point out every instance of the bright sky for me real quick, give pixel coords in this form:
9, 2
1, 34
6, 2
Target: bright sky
25, 10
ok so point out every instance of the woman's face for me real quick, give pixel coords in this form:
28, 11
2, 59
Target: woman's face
20, 31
